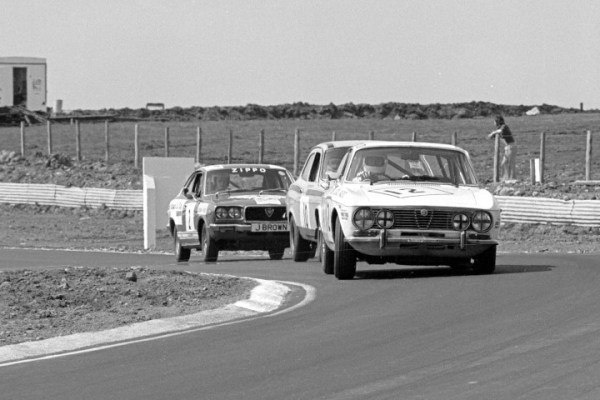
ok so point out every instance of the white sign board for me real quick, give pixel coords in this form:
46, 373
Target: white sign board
6, 86
163, 178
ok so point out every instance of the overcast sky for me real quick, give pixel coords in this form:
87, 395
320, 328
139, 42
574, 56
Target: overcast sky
125, 53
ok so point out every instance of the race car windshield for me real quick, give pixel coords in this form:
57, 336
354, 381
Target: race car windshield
246, 179
411, 164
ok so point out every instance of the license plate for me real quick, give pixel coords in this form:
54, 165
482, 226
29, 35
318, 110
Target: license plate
266, 227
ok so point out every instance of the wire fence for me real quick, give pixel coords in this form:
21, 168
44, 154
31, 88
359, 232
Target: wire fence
542, 155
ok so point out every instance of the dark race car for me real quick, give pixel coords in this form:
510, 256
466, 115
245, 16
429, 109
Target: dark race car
231, 207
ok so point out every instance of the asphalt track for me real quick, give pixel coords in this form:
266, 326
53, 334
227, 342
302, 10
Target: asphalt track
529, 331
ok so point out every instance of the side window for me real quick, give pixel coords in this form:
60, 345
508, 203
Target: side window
315, 167
331, 160
197, 186
306, 171
188, 185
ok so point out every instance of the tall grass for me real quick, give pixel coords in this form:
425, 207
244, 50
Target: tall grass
565, 140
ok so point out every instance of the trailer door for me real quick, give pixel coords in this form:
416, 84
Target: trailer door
19, 86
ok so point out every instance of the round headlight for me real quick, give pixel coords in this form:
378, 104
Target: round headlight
482, 221
235, 213
363, 218
221, 213
460, 222
385, 219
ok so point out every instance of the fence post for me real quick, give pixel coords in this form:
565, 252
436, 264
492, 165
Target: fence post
136, 146
23, 138
167, 141
532, 170
77, 141
106, 141
333, 136
496, 177
371, 135
588, 157
454, 138
414, 136
230, 150
296, 150
49, 130
261, 145
198, 143
542, 155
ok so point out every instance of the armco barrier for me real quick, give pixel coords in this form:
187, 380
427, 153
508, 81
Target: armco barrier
550, 211
532, 210
54, 195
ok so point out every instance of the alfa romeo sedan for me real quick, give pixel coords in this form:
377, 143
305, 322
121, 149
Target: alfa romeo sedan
407, 203
231, 207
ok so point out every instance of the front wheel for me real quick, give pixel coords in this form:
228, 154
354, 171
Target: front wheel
485, 263
181, 253
344, 256
210, 251
276, 254
300, 247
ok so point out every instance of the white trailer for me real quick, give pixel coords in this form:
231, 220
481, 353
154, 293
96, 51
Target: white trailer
23, 82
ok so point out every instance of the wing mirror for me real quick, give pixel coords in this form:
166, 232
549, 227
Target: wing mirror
329, 177
332, 176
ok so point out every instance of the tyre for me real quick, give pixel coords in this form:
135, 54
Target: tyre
485, 263
210, 251
181, 254
300, 247
313, 248
344, 257
318, 248
326, 256
276, 254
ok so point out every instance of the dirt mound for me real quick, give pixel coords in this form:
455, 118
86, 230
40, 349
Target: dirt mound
60, 169
36, 305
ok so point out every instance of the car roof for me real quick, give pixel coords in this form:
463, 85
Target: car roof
336, 143
216, 167
385, 143
357, 144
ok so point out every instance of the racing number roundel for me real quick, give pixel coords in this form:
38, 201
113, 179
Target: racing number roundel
189, 216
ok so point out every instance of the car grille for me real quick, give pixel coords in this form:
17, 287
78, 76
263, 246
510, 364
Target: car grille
422, 218
265, 213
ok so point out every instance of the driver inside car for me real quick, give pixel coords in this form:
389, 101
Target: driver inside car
373, 169
220, 181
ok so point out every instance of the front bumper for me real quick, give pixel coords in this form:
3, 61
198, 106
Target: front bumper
397, 243
241, 236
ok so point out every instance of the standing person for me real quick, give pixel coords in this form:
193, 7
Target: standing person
510, 149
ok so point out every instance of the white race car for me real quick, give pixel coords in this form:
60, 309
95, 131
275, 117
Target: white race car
304, 196
407, 203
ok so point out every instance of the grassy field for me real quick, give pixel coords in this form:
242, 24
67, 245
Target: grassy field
565, 140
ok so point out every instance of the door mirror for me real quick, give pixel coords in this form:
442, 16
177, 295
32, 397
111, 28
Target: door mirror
332, 176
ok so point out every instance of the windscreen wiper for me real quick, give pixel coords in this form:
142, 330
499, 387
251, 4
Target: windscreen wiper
272, 190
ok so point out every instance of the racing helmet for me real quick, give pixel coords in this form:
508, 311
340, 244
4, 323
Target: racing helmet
374, 164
